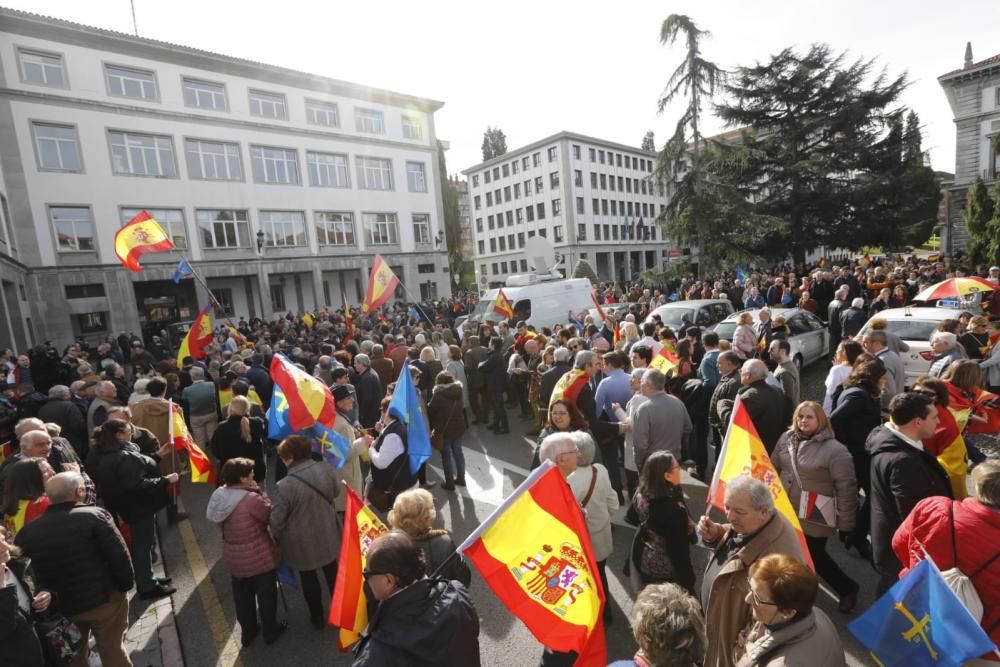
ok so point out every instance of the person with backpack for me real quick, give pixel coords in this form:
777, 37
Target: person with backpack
963, 536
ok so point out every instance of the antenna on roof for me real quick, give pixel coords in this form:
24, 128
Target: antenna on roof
135, 26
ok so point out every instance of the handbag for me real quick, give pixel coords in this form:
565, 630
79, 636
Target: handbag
381, 499
654, 563
813, 507
60, 638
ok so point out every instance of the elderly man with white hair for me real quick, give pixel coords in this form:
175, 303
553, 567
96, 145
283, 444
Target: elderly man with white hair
946, 350
764, 403
852, 319
753, 530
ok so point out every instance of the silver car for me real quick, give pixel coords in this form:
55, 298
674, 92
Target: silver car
808, 336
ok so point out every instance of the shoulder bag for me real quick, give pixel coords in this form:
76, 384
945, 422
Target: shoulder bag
60, 637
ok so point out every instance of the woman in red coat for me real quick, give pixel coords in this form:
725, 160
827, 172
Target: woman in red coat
976, 525
248, 550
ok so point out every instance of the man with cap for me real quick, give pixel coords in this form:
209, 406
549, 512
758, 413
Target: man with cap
369, 390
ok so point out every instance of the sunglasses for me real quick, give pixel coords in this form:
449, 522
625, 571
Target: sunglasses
370, 573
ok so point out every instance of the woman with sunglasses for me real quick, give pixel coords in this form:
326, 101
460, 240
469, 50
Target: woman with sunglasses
787, 629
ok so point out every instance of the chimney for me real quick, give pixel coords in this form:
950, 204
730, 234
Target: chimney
968, 54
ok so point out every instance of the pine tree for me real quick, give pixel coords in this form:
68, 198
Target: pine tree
649, 142
583, 269
494, 143
993, 225
452, 224
977, 215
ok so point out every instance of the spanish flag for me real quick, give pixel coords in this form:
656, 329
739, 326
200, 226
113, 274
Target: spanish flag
382, 284
616, 336
535, 553
665, 361
349, 608
743, 453
140, 236
950, 432
198, 337
349, 321
309, 400
201, 468
569, 386
502, 306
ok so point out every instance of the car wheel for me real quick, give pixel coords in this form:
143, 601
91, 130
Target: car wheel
798, 361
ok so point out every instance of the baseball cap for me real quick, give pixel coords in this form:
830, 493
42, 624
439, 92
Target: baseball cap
341, 391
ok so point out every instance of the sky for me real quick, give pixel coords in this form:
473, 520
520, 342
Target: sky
534, 68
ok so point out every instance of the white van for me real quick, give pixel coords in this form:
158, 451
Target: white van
539, 300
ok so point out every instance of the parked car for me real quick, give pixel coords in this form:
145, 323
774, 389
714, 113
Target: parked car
701, 312
915, 326
809, 338
620, 309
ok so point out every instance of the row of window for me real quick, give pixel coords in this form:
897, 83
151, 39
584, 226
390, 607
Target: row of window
625, 232
516, 241
230, 228
49, 69
597, 181
600, 207
535, 159
500, 268
138, 154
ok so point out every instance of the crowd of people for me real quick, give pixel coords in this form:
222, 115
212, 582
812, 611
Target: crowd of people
881, 463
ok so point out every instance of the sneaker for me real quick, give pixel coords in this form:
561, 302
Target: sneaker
460, 482
158, 592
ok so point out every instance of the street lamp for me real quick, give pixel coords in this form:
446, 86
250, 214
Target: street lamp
439, 239
260, 241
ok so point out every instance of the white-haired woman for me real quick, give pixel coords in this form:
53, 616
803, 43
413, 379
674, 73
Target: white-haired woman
413, 512
945, 347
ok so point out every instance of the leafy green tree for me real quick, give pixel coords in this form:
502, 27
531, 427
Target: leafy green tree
583, 269
494, 143
993, 226
648, 142
977, 214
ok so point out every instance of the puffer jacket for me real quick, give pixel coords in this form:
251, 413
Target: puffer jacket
824, 466
447, 417
243, 514
128, 481
977, 534
812, 641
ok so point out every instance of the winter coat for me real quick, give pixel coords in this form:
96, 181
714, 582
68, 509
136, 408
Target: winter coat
369, 397
243, 514
304, 522
855, 413
726, 610
977, 536
745, 341
457, 370
383, 368
431, 623
825, 467
227, 443
445, 412
494, 370
70, 418
812, 641
766, 406
17, 633
661, 424
601, 505
128, 481
851, 321
667, 517
153, 414
901, 476
77, 553
437, 545
472, 358
351, 472
97, 413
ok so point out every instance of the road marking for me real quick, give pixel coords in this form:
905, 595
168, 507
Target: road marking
225, 639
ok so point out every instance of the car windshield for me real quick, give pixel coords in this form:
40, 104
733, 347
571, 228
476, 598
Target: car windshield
725, 330
674, 317
915, 330
482, 308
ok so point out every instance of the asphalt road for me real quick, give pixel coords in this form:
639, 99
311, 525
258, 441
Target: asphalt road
496, 465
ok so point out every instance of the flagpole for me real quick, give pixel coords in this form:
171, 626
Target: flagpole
416, 303
173, 449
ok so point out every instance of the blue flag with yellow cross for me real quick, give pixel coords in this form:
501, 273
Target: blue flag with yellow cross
332, 446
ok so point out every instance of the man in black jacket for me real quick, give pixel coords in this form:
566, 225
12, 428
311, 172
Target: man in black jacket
494, 369
550, 377
61, 410
369, 390
726, 390
903, 474
78, 553
765, 404
606, 434
853, 318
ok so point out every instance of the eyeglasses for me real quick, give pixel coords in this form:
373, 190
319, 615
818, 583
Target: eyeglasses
575, 451
756, 600
370, 573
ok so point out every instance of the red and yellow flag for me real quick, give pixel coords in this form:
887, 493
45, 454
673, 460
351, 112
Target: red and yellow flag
142, 235
349, 608
202, 470
382, 283
198, 337
309, 400
502, 306
569, 386
743, 453
6, 451
349, 321
665, 361
534, 552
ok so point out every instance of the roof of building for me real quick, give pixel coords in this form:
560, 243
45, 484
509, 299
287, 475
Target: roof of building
15, 20
556, 137
992, 61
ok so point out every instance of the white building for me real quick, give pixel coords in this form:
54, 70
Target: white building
279, 186
592, 199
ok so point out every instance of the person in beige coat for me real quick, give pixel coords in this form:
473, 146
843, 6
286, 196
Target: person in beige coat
788, 630
754, 530
351, 472
808, 457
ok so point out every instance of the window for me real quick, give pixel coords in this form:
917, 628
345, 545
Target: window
520, 239
552, 154
607, 232
506, 171
510, 218
486, 177
510, 241
619, 160
643, 185
554, 180
536, 159
74, 228
493, 245
84, 291
479, 225
506, 193
578, 178
327, 170
42, 68
543, 233
600, 156
268, 105
426, 268
283, 229
524, 162
557, 233
496, 196
369, 120
635, 162
275, 165
514, 167
556, 206
539, 186
57, 147
579, 205
604, 181
213, 160
527, 188
205, 95
415, 177
621, 184
496, 173
540, 206
524, 265
128, 82
630, 213
85, 324
503, 267
529, 211
374, 173
226, 228
381, 228
412, 128
503, 244
475, 180
326, 114
277, 297
170, 219
334, 228
581, 232
595, 206
517, 191
597, 232
481, 246
519, 215
593, 154
614, 207
576, 151
614, 232
611, 183
477, 202
490, 221
142, 154
628, 185
604, 207
645, 209
489, 199
421, 228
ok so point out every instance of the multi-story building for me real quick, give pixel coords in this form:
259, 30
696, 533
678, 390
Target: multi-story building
592, 199
974, 95
279, 186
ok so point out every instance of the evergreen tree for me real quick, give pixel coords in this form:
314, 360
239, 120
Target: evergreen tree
977, 215
913, 153
583, 269
648, 142
993, 225
452, 224
494, 143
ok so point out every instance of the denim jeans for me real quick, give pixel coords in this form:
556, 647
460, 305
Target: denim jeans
453, 448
